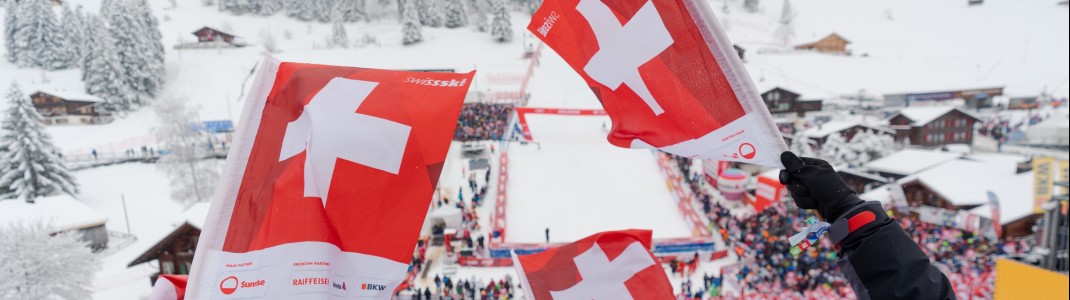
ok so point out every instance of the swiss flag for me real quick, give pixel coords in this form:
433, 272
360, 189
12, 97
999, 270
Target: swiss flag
328, 183
666, 75
607, 265
169, 287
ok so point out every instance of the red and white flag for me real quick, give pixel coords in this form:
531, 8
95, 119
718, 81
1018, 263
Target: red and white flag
666, 74
328, 183
609, 265
169, 287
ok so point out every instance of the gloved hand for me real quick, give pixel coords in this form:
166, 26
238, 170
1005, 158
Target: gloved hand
815, 185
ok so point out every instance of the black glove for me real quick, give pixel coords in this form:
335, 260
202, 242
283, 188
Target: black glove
815, 185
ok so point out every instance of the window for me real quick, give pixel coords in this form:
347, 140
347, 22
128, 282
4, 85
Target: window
774, 96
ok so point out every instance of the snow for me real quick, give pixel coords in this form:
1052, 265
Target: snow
833, 126
66, 94
62, 212
962, 182
921, 115
578, 185
196, 214
910, 161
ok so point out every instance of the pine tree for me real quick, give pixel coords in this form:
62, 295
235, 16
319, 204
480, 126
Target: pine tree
533, 5
323, 9
38, 264
102, 70
410, 24
479, 8
300, 9
353, 10
750, 5
138, 41
267, 7
28, 160
428, 12
785, 32
456, 16
39, 37
871, 146
339, 38
75, 29
501, 28
193, 178
11, 27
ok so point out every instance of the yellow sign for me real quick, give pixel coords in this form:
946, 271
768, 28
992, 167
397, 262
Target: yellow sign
1015, 280
1042, 181
1064, 174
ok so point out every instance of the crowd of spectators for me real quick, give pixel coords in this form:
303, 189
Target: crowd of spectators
447, 287
766, 269
483, 121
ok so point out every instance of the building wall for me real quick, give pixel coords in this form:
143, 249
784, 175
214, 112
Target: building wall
952, 128
780, 101
96, 236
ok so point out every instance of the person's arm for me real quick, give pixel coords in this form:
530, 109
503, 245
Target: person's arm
879, 259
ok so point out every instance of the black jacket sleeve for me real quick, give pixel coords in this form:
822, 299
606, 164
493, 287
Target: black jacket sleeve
882, 262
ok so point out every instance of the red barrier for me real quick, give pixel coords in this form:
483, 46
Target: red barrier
683, 200
498, 218
472, 261
521, 113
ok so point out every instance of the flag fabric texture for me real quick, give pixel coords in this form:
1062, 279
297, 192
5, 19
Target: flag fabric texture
666, 74
609, 265
993, 201
328, 182
169, 287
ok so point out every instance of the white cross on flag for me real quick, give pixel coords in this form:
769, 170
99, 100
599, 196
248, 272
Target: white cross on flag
327, 184
613, 265
666, 75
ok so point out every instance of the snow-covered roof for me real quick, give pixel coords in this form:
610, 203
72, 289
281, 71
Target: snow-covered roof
924, 114
965, 182
71, 95
196, 214
910, 161
881, 194
62, 212
834, 126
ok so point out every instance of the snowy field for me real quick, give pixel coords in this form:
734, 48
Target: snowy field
577, 184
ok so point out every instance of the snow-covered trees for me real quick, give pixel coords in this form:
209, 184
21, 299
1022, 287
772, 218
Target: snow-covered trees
456, 16
352, 10
428, 13
37, 37
750, 5
871, 145
800, 145
260, 7
39, 265
102, 71
193, 178
339, 37
864, 147
74, 28
480, 10
29, 166
785, 31
501, 27
410, 24
835, 150
11, 22
138, 40
300, 9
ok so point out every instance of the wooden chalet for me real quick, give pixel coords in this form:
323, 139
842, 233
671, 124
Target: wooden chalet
783, 101
174, 253
208, 37
933, 126
833, 43
63, 108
